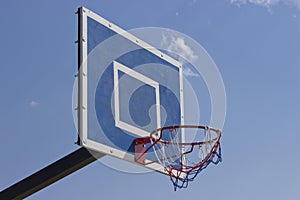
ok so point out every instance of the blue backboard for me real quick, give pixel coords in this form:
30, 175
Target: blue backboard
126, 88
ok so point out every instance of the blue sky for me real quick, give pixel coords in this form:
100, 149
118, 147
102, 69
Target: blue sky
255, 45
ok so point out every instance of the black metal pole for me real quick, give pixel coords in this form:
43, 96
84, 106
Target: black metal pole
61, 168
50, 174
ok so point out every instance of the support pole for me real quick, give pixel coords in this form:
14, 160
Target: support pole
50, 174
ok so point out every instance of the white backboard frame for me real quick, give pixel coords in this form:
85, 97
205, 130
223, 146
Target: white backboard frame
84, 141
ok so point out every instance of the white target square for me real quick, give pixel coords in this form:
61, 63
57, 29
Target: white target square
136, 101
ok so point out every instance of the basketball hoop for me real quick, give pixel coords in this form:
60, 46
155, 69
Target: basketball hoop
184, 151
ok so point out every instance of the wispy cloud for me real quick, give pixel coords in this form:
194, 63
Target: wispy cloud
178, 46
189, 72
34, 104
266, 3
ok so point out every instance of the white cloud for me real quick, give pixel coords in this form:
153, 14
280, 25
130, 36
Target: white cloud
179, 47
266, 3
34, 104
189, 72
164, 40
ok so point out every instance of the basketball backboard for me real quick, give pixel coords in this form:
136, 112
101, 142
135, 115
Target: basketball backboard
126, 89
